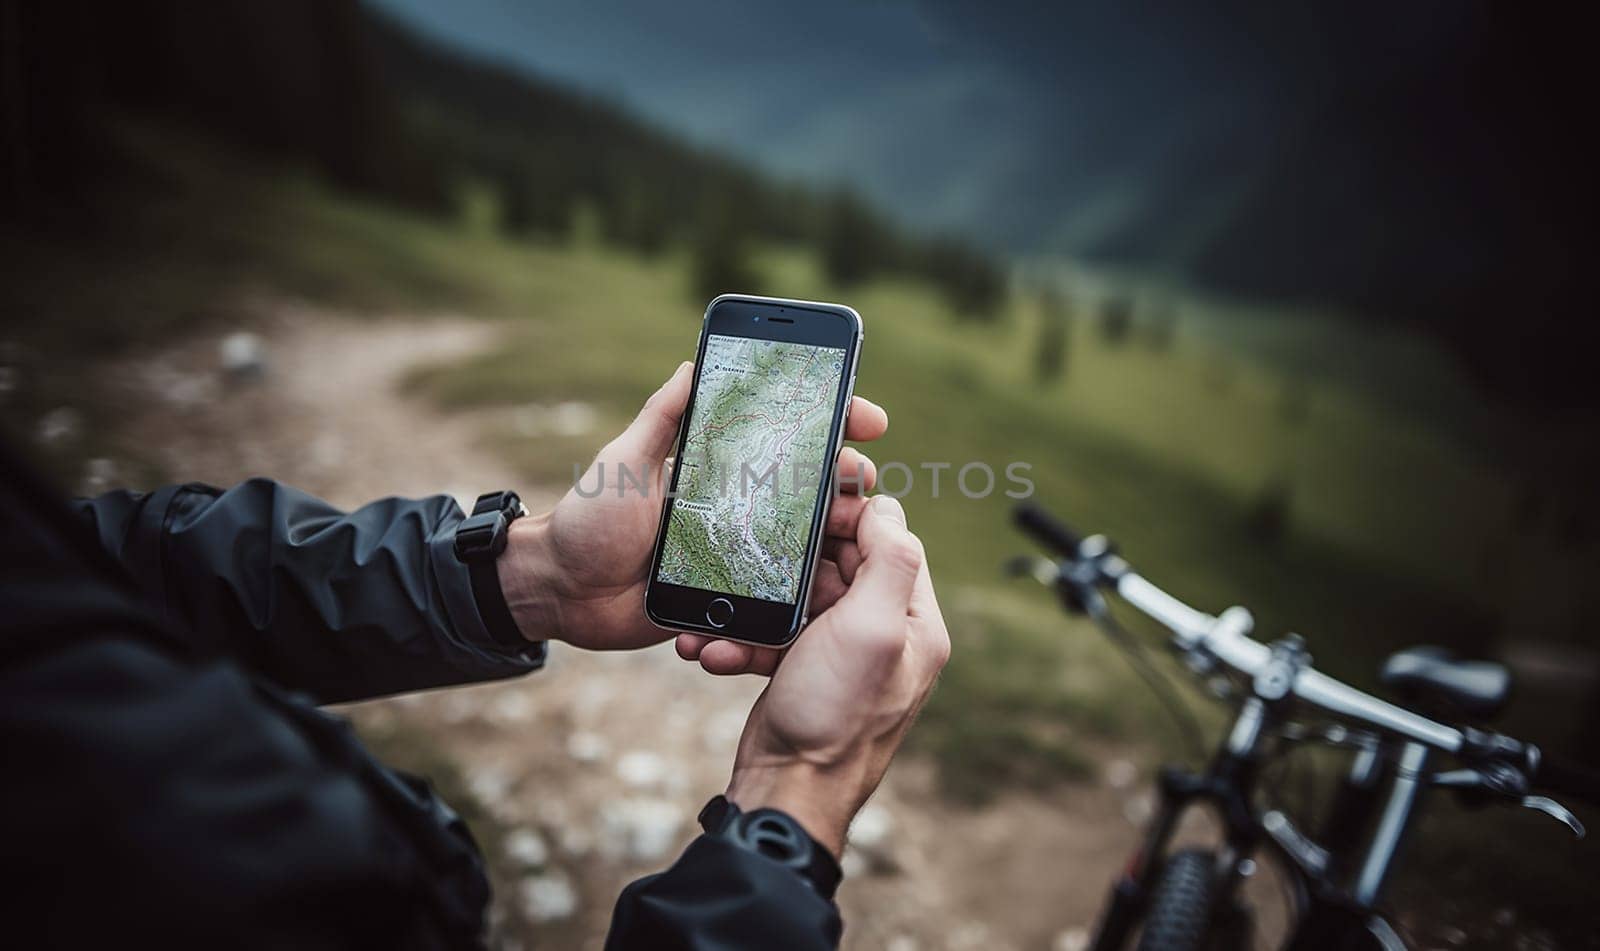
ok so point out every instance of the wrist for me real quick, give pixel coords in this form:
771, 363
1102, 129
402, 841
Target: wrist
821, 802
530, 580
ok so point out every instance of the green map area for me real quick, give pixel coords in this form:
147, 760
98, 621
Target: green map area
758, 438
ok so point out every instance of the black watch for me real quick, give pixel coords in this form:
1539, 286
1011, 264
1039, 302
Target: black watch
480, 538
776, 835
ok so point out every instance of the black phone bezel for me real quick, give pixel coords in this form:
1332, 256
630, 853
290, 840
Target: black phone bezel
755, 620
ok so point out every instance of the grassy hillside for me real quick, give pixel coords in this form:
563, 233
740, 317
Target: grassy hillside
1391, 525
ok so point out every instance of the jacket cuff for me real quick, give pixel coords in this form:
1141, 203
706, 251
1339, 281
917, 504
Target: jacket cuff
480, 617
491, 601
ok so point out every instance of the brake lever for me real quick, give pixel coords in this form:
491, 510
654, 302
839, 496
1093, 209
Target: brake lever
1042, 570
1556, 811
1510, 783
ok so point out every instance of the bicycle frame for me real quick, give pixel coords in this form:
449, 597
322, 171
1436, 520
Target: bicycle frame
1376, 803
1336, 891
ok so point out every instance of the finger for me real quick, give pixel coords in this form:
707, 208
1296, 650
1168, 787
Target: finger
726, 658
653, 432
923, 601
855, 474
891, 560
689, 646
845, 555
843, 515
829, 587
867, 422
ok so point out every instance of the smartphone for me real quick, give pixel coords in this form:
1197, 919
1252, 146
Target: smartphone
742, 526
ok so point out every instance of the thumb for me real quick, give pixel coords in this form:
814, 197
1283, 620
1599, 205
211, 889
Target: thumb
891, 559
651, 435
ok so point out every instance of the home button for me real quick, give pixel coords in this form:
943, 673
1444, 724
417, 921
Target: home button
719, 613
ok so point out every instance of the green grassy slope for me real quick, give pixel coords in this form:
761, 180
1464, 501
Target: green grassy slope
1391, 523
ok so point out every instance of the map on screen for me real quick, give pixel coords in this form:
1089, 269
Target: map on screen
748, 483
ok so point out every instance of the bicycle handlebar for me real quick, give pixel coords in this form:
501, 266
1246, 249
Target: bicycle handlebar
1226, 639
1048, 530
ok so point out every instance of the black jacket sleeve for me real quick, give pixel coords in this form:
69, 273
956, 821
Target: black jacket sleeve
155, 789
342, 606
151, 793
719, 897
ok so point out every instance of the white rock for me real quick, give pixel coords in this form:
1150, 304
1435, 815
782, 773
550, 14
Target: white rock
573, 419
459, 707
60, 425
527, 847
871, 827
588, 747
1121, 773
592, 698
1073, 939
576, 841
242, 354
181, 388
901, 942
489, 784
853, 864
529, 420
562, 419
639, 828
1139, 808
99, 476
548, 897
722, 729
641, 769
510, 708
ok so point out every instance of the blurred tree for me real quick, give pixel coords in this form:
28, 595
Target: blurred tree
1266, 518
339, 87
478, 207
971, 284
1116, 320
722, 252
1162, 329
537, 199
1055, 318
635, 214
855, 243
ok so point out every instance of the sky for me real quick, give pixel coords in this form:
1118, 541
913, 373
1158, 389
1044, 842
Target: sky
1365, 151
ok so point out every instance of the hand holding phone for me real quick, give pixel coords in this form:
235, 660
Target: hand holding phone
821, 736
578, 573
740, 536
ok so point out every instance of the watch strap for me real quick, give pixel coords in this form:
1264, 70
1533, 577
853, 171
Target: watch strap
777, 836
480, 538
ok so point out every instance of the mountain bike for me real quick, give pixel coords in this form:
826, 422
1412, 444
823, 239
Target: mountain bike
1191, 898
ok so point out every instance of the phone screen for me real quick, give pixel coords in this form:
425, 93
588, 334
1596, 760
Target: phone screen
757, 441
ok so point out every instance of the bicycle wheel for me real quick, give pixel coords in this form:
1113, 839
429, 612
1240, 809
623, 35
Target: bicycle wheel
1179, 918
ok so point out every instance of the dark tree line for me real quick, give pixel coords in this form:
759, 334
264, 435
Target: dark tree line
378, 110
550, 149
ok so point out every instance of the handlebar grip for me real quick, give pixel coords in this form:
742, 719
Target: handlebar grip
1047, 530
1568, 779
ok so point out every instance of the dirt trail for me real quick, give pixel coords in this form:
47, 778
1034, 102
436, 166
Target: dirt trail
596, 766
